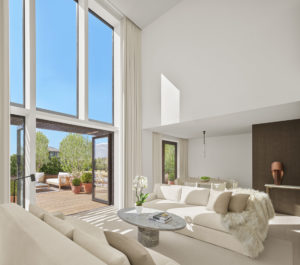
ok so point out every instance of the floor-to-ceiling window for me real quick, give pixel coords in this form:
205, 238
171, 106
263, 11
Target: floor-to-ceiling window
100, 41
169, 161
46, 52
56, 56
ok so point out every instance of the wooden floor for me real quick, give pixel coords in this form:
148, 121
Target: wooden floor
66, 201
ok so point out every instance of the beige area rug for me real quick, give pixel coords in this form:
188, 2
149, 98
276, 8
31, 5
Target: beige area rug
189, 251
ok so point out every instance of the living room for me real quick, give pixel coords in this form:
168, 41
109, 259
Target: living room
198, 103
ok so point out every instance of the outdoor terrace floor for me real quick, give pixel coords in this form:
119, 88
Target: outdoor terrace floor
66, 201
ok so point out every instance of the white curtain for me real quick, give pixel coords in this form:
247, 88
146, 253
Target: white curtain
4, 103
131, 36
157, 158
183, 158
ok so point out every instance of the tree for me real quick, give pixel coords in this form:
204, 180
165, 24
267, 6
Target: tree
170, 159
42, 154
53, 167
75, 153
13, 165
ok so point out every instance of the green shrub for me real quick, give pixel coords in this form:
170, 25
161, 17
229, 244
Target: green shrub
205, 178
87, 177
171, 176
13, 165
76, 182
13, 189
53, 167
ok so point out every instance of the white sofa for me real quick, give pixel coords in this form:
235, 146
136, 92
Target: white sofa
26, 239
190, 203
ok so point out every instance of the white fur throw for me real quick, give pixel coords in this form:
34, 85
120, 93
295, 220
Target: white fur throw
251, 226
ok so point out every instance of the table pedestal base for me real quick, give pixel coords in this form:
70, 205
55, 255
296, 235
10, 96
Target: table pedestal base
148, 237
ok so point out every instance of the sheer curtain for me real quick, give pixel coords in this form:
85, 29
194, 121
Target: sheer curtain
156, 158
4, 103
183, 158
131, 36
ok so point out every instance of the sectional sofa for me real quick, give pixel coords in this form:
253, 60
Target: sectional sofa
190, 203
36, 237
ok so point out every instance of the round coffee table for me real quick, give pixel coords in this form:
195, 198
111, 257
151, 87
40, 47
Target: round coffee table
148, 230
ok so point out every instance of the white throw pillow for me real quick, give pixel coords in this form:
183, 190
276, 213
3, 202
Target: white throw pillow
158, 192
219, 201
195, 196
60, 225
40, 177
37, 211
171, 192
238, 202
98, 248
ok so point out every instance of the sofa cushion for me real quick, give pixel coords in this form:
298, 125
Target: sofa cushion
87, 228
100, 249
238, 202
164, 205
199, 215
135, 252
219, 201
194, 196
168, 192
37, 211
60, 225
160, 259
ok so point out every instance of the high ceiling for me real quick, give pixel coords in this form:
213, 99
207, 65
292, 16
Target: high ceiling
236, 123
143, 12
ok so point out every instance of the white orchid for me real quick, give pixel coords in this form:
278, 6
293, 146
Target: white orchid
139, 184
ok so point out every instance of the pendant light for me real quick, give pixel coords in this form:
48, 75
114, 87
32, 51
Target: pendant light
204, 143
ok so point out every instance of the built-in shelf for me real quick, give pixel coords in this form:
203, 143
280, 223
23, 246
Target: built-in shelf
287, 187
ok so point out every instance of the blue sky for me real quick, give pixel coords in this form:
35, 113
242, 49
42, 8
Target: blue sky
56, 61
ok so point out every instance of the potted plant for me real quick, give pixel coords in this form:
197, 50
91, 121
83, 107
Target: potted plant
76, 185
86, 180
139, 184
13, 191
171, 179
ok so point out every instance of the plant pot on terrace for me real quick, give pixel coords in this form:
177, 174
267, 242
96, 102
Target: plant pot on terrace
86, 180
171, 179
76, 185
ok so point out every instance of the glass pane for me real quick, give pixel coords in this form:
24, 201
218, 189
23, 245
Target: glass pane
16, 51
101, 173
56, 56
100, 70
170, 162
17, 170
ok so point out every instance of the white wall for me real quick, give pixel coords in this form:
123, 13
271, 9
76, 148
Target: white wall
223, 56
226, 157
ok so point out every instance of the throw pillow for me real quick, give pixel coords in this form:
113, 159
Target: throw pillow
59, 225
171, 192
238, 202
197, 196
219, 201
98, 248
134, 251
59, 215
37, 211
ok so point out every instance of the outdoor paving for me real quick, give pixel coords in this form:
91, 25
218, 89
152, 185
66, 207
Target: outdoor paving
66, 201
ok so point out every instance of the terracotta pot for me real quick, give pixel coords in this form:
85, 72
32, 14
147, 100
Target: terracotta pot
13, 199
76, 189
171, 182
88, 187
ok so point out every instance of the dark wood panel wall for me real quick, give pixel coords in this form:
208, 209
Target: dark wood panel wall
278, 141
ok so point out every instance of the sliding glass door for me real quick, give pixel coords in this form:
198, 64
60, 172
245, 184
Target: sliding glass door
102, 169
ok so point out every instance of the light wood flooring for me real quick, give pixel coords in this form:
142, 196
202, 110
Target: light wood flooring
66, 201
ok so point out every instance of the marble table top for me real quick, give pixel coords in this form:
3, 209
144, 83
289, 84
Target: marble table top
142, 220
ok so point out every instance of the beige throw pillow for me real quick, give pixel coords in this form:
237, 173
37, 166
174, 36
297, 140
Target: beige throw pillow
98, 248
195, 196
219, 201
60, 225
238, 202
134, 251
37, 211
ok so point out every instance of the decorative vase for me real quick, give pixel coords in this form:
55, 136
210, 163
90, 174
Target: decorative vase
139, 209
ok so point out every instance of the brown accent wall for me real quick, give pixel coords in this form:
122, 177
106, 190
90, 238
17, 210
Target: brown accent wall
278, 141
